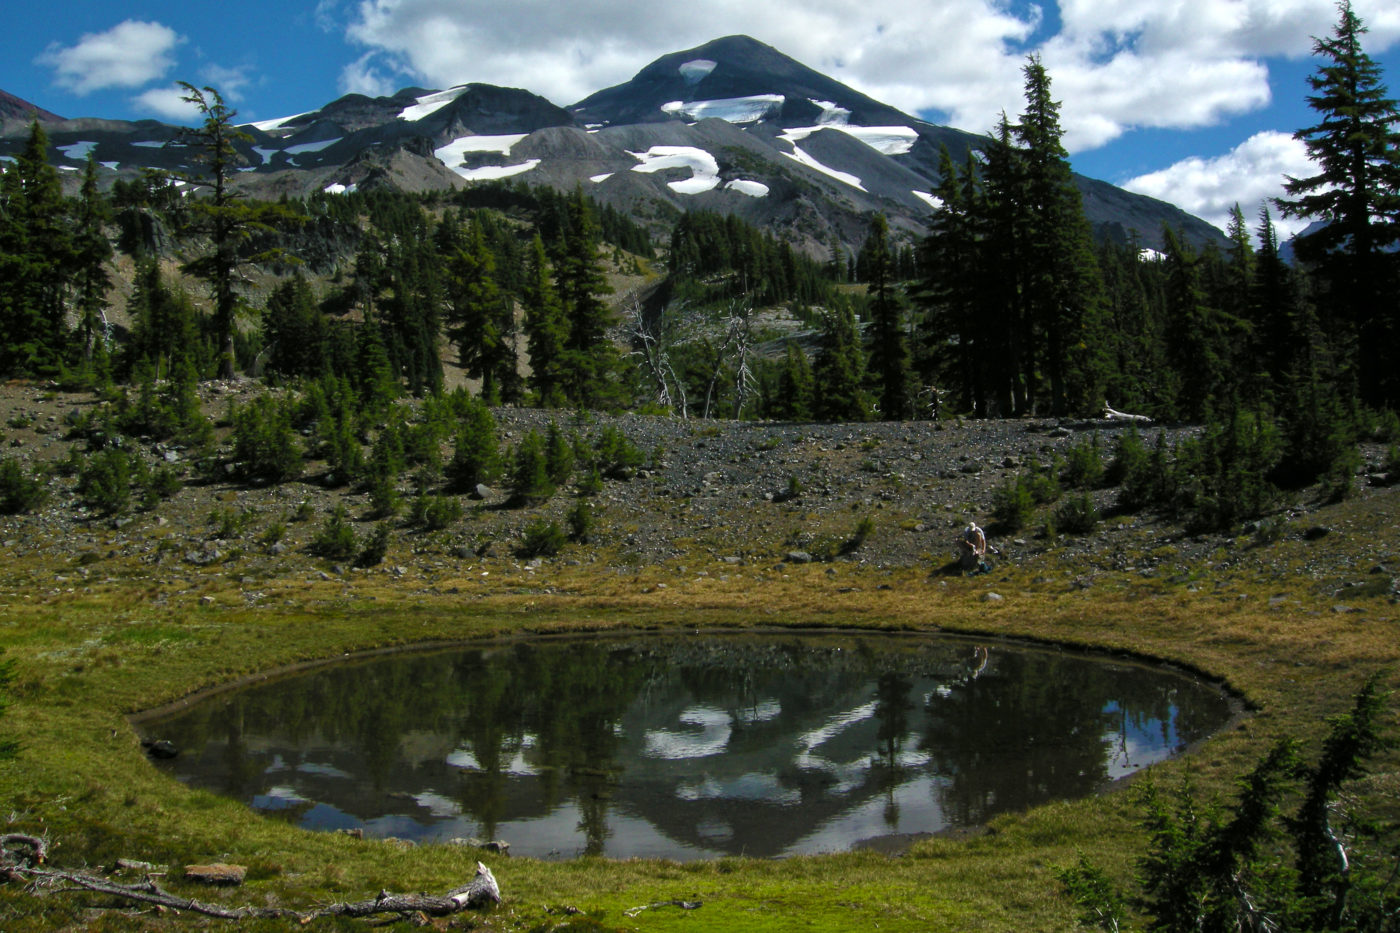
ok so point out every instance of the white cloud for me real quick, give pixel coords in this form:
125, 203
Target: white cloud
362, 77
229, 82
1249, 175
167, 102
130, 54
1117, 64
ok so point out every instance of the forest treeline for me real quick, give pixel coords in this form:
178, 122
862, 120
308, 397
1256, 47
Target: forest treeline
1008, 307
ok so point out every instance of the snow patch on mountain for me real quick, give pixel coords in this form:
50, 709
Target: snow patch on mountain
886, 140
730, 109
831, 112
929, 198
338, 188
451, 155
496, 172
267, 126
431, 103
754, 189
695, 71
317, 146
797, 155
599, 179
704, 168
77, 151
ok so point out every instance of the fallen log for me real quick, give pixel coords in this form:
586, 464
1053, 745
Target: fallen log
25, 866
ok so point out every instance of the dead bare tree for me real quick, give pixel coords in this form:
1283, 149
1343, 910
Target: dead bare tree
22, 858
650, 348
738, 341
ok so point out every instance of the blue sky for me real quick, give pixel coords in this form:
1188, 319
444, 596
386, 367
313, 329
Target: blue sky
1193, 101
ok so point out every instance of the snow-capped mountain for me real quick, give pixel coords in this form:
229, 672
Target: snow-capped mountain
732, 126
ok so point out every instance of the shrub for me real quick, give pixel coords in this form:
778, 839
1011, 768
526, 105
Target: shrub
864, 528
558, 455
433, 513
541, 539
617, 457
376, 547
1083, 467
1012, 504
476, 454
336, 539
1077, 515
104, 481
581, 522
529, 479
19, 491
1129, 457
264, 444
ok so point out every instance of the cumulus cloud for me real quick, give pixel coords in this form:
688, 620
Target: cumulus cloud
1250, 175
1117, 64
167, 103
130, 54
363, 77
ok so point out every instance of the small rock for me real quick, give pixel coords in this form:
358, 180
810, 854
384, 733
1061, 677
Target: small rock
216, 873
799, 557
992, 597
1316, 533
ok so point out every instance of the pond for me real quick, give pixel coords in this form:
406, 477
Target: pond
686, 746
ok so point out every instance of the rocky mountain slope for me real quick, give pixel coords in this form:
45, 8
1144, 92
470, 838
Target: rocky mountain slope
732, 126
713, 499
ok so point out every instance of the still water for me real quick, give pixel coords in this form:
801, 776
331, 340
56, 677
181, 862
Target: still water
686, 747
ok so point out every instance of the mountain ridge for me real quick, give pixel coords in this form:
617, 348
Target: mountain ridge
733, 126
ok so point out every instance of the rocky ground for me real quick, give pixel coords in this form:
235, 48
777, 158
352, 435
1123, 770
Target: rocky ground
712, 497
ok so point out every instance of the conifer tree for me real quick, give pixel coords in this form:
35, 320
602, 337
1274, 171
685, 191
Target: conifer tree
1356, 193
889, 348
839, 374
590, 362
35, 261
91, 250
228, 219
1065, 292
480, 316
546, 331
793, 399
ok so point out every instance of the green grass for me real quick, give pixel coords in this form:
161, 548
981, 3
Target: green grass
86, 659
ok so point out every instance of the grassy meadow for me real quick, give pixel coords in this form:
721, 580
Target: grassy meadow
87, 652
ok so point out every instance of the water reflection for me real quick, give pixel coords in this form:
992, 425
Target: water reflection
685, 747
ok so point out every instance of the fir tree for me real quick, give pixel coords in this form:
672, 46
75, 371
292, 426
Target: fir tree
1356, 193
91, 250
889, 348
546, 331
590, 361
228, 220
35, 258
838, 375
1065, 292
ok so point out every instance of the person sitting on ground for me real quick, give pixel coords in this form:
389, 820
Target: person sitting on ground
972, 548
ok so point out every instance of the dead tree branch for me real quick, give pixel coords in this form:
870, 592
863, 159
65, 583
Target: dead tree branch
25, 867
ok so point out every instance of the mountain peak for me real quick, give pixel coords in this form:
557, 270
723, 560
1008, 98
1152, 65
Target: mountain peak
15, 110
731, 67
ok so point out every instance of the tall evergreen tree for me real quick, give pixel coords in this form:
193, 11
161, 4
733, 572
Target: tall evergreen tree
590, 361
228, 220
839, 374
1065, 291
1356, 194
889, 347
91, 251
546, 331
36, 253
480, 316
